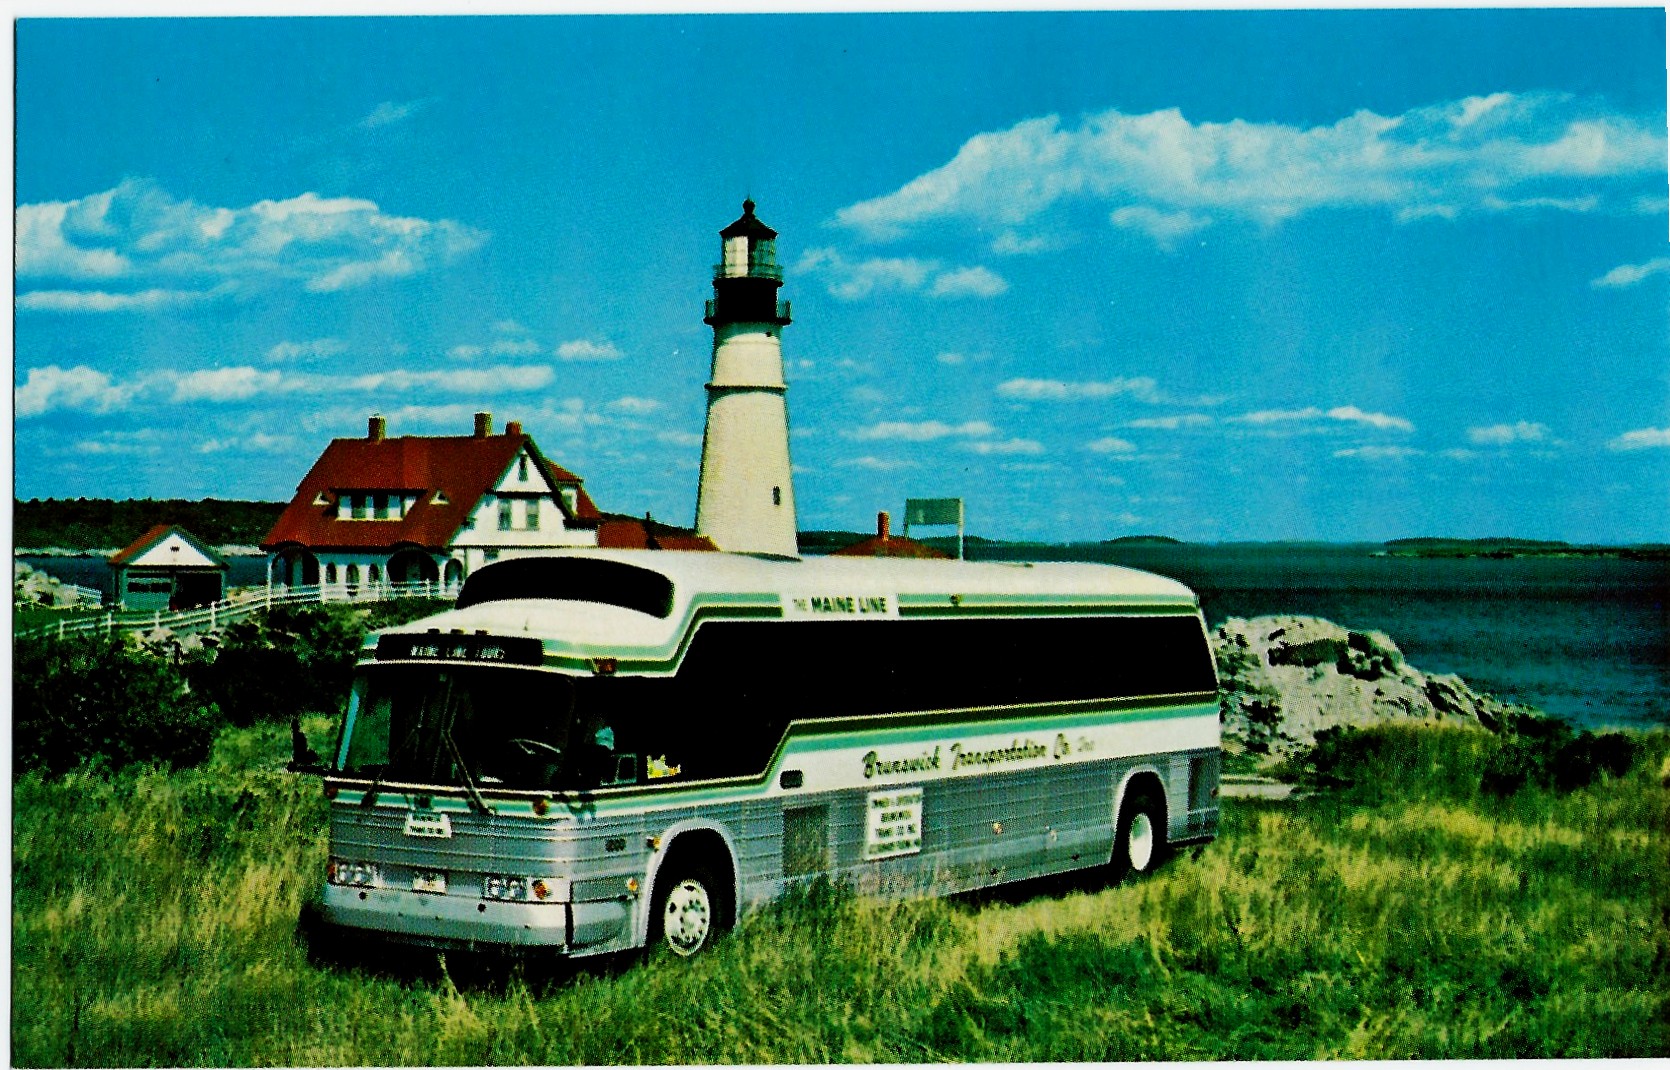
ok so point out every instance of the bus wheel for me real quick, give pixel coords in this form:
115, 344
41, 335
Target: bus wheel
689, 911
1140, 843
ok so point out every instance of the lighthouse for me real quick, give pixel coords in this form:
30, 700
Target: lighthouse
745, 500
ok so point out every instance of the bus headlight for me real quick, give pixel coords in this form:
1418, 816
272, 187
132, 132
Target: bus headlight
351, 874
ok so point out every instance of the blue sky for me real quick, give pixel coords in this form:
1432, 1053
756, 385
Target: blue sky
1274, 275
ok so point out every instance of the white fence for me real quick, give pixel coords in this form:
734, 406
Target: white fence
242, 603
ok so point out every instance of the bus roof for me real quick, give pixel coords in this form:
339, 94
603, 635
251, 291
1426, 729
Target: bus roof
584, 600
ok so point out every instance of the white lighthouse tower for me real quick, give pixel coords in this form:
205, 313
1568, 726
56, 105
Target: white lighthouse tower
745, 502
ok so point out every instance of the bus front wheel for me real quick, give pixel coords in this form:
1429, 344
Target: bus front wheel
1140, 842
689, 911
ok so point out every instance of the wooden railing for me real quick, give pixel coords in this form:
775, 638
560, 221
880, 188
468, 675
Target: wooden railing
241, 604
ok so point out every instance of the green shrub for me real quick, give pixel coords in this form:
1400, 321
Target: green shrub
1545, 752
107, 702
276, 665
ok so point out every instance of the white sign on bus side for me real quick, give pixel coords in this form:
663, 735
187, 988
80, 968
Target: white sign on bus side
893, 823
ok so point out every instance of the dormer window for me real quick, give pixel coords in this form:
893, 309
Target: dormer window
321, 498
440, 498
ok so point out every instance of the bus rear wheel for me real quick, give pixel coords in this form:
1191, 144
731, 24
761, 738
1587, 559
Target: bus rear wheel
689, 911
1139, 844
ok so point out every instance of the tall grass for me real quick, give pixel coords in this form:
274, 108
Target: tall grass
155, 922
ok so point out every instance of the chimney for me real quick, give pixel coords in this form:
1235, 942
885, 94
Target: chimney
512, 428
377, 427
483, 424
883, 524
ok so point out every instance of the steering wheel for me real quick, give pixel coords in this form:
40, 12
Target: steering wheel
533, 748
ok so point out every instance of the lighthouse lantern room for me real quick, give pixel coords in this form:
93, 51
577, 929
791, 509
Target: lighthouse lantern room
745, 500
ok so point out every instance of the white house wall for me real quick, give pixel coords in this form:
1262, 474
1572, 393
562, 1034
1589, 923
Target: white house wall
174, 552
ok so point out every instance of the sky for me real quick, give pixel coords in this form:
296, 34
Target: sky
1221, 276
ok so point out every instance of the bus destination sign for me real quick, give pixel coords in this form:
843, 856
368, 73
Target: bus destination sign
474, 649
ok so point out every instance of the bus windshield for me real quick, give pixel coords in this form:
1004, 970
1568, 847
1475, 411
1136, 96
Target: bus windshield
460, 726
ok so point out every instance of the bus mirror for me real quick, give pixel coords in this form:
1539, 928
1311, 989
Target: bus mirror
303, 758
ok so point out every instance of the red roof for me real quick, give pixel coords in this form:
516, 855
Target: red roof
885, 546
156, 535
463, 467
628, 533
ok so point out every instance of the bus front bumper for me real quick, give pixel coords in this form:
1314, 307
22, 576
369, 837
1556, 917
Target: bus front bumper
449, 920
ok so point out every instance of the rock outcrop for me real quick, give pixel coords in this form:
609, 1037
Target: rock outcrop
1284, 679
32, 587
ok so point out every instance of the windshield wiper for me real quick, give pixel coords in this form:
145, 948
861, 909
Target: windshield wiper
476, 801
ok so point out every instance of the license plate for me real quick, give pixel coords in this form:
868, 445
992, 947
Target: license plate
434, 883
428, 825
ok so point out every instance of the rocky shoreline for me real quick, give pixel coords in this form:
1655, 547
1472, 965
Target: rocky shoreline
1283, 679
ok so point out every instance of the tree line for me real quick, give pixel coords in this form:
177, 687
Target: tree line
103, 523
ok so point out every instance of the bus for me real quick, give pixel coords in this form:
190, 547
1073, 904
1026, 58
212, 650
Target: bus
599, 750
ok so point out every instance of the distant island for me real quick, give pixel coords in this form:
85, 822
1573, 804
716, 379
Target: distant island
1503, 548
86, 525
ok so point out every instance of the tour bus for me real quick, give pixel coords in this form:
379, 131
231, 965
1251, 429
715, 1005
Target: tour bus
599, 750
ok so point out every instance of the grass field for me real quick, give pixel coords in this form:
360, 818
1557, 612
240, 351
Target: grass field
155, 922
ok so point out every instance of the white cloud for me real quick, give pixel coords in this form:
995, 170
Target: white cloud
460, 417
1352, 414
390, 112
317, 349
1164, 227
957, 360
1165, 172
465, 352
968, 282
166, 250
635, 406
1507, 434
226, 384
1007, 446
1011, 243
678, 438
1142, 388
514, 378
1110, 444
81, 388
1171, 423
583, 349
1625, 275
515, 347
856, 280
1272, 416
1379, 453
874, 464
1643, 439
1311, 413
142, 443
865, 394
104, 301
259, 442
922, 431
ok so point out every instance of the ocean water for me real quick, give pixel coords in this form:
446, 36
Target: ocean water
1585, 639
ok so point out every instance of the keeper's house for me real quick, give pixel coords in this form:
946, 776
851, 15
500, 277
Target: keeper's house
389, 510
167, 568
